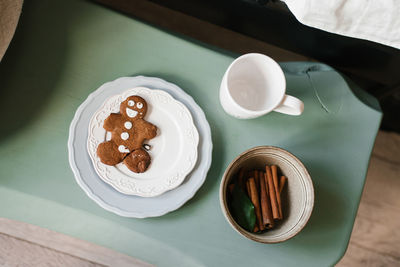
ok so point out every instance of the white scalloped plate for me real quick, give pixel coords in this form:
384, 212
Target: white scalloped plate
173, 150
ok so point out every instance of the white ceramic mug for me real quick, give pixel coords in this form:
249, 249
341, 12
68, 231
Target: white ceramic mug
254, 85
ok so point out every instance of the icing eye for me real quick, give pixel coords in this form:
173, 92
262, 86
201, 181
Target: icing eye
131, 103
139, 105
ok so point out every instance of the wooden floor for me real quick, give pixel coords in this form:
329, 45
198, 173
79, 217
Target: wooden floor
376, 234
375, 240
23, 244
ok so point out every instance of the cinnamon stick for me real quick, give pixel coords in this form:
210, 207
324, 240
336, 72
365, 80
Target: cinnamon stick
255, 230
268, 221
272, 194
282, 183
255, 200
274, 170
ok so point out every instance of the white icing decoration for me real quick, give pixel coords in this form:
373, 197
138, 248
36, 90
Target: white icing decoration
131, 113
128, 125
139, 105
124, 136
123, 149
131, 103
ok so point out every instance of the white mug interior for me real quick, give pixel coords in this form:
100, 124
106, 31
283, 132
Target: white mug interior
256, 83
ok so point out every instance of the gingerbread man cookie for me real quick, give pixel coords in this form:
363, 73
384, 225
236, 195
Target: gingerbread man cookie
128, 132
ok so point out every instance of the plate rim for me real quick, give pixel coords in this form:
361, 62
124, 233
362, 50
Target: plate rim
89, 192
190, 124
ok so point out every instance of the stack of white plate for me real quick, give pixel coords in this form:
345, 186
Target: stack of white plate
181, 151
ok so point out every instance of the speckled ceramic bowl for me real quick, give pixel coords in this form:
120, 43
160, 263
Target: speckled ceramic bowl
297, 196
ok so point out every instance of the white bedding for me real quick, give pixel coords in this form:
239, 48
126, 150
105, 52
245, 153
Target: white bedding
374, 20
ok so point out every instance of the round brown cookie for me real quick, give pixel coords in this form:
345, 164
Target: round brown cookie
138, 161
109, 154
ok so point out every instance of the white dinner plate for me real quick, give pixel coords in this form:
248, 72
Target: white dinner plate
173, 151
105, 195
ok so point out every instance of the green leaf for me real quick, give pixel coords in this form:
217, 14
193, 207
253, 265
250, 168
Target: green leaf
242, 209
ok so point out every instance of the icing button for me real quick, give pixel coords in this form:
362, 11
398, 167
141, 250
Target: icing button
128, 125
124, 136
123, 149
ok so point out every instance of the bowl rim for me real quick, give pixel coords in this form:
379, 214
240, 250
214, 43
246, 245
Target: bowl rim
224, 205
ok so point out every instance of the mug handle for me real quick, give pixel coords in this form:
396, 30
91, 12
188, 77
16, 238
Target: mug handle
290, 105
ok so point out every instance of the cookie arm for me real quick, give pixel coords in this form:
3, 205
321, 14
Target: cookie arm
110, 122
151, 130
143, 130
